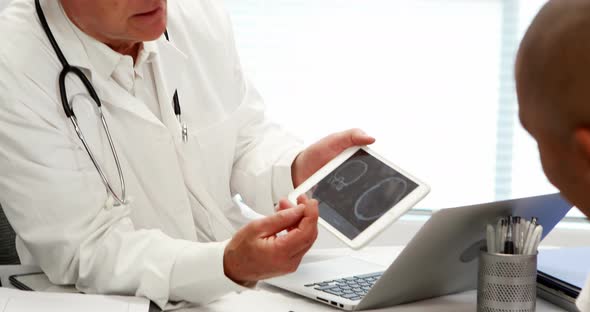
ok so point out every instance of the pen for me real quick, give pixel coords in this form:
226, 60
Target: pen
504, 234
523, 228
534, 221
530, 230
529, 245
537, 241
516, 235
498, 240
509, 242
525, 231
491, 238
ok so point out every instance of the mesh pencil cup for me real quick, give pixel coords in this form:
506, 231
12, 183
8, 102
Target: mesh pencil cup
506, 283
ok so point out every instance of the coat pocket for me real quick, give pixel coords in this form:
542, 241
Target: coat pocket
217, 145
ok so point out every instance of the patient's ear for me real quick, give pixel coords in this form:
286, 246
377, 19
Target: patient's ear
582, 142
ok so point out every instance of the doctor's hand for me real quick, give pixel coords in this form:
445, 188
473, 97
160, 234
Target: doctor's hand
256, 252
320, 153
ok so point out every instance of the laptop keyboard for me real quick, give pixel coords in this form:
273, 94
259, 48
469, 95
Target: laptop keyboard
352, 288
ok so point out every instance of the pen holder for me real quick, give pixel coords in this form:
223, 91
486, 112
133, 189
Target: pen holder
506, 283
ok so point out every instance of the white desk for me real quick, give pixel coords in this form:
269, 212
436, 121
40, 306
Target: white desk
268, 298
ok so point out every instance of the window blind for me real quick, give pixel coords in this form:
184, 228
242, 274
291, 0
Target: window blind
431, 79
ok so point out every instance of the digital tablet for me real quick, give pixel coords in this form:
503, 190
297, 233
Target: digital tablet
360, 194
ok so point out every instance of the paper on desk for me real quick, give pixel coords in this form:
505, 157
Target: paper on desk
259, 300
12, 300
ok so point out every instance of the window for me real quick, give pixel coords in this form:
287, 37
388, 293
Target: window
432, 80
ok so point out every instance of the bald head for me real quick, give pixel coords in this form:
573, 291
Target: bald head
553, 86
553, 67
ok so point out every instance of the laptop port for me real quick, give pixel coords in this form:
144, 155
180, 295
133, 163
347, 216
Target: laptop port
322, 299
341, 305
334, 303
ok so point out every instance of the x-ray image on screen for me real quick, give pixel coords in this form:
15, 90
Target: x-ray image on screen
348, 173
358, 192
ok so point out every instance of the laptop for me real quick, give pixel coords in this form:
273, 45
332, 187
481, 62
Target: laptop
441, 259
562, 274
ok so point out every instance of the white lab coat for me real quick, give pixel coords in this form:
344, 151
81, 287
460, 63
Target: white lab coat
55, 199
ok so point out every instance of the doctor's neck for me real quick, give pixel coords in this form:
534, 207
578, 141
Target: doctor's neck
123, 25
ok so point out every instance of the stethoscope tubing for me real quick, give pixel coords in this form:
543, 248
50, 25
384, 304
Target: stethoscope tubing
122, 200
68, 69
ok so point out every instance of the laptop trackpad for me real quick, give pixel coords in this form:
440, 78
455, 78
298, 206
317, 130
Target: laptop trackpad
326, 270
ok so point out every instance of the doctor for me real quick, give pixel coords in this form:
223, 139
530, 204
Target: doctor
135, 197
552, 82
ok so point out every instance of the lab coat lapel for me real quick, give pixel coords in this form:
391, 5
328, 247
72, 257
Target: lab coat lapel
170, 66
115, 96
109, 92
168, 72
64, 34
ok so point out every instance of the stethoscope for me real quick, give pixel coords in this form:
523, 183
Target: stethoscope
68, 69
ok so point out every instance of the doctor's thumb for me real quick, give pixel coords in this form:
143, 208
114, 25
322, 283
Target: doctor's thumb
279, 221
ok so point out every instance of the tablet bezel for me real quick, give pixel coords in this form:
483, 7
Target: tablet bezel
386, 219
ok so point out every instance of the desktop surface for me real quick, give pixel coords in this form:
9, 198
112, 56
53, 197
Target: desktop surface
269, 298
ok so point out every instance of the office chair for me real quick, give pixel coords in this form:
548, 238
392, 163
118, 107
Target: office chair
8, 253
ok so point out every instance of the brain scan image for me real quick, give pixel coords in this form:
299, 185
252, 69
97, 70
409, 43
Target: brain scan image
349, 173
358, 192
387, 192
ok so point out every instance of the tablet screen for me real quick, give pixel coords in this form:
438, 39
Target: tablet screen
358, 192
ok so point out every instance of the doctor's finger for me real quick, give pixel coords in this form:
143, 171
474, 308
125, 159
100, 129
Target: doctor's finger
283, 204
311, 214
298, 240
292, 246
278, 222
302, 249
308, 227
302, 199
